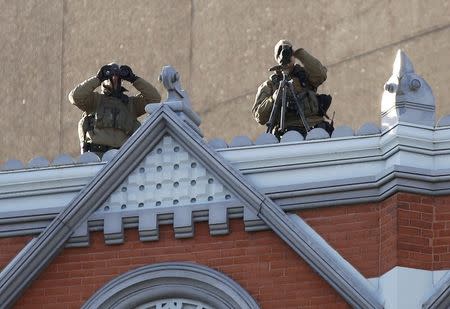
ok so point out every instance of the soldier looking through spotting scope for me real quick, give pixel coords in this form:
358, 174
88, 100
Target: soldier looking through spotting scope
288, 99
110, 117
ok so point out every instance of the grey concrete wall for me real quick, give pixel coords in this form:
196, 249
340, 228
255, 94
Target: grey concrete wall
222, 50
30, 36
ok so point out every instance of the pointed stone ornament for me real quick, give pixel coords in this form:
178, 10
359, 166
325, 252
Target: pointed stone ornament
407, 96
402, 64
177, 99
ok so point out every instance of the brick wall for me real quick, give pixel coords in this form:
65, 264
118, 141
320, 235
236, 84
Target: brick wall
354, 231
388, 256
260, 262
10, 247
415, 227
441, 233
424, 231
407, 230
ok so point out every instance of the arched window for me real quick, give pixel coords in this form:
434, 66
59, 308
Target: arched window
172, 286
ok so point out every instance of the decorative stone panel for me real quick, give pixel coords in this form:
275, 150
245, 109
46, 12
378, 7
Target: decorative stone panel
168, 176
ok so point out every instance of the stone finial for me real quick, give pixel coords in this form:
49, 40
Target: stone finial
177, 98
170, 78
407, 96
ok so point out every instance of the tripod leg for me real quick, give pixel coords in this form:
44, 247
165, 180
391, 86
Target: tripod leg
299, 108
283, 109
274, 113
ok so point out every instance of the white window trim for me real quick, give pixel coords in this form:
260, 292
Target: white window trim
172, 280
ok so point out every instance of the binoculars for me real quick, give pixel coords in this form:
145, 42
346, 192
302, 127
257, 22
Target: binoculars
286, 54
123, 71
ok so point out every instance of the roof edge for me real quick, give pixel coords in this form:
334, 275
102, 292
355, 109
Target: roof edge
440, 295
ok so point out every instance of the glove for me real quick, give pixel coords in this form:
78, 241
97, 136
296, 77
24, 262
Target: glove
104, 73
127, 74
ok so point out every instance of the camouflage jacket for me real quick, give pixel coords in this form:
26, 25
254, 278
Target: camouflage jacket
112, 119
315, 74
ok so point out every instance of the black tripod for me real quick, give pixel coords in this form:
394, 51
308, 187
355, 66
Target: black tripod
280, 106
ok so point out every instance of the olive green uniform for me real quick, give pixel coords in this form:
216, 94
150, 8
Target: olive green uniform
112, 119
315, 74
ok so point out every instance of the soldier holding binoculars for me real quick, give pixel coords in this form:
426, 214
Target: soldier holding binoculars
110, 117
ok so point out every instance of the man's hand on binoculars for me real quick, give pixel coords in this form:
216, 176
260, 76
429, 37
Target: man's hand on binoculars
104, 73
124, 72
127, 74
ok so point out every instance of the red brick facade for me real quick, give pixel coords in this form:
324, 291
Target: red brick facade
404, 230
407, 230
260, 262
424, 232
354, 231
10, 247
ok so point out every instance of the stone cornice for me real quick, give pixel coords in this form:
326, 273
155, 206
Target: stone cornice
408, 158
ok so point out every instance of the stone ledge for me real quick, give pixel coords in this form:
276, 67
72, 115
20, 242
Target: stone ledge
148, 221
